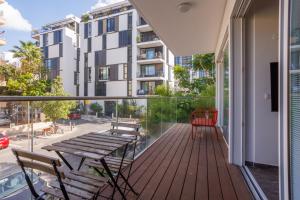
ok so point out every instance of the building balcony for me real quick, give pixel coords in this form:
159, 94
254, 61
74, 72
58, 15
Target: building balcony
35, 34
158, 75
147, 43
144, 28
143, 59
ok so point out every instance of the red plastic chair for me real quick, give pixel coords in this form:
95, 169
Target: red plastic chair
203, 117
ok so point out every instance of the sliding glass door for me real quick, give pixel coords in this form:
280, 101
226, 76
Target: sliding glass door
294, 99
225, 110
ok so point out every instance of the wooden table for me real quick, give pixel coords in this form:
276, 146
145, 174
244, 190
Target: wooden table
94, 146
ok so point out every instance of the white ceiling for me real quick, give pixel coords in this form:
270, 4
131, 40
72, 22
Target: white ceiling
195, 31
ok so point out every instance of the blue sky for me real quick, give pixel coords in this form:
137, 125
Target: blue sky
23, 15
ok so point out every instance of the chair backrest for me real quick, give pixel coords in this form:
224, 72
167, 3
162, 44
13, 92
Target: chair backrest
206, 113
38, 162
126, 125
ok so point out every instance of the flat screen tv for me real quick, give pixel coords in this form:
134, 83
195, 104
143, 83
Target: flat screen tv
274, 86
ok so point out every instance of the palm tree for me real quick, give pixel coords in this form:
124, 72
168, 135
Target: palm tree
30, 56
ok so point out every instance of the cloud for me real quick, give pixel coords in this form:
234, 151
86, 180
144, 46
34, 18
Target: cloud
14, 18
102, 3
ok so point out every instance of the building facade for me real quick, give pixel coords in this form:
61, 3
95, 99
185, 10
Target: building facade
59, 42
120, 54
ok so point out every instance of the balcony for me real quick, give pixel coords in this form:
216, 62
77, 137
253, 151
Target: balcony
158, 75
144, 27
149, 41
144, 59
168, 165
35, 34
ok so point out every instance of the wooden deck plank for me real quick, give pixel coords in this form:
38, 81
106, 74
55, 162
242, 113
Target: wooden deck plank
241, 189
214, 187
164, 166
167, 179
178, 181
227, 188
188, 191
155, 164
202, 176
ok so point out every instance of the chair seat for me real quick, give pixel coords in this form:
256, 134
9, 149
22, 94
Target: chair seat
112, 162
203, 122
79, 185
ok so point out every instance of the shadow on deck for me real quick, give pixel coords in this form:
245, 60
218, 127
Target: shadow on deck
177, 167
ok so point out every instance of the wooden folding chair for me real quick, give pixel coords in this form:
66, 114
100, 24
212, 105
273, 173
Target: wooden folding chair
118, 164
70, 185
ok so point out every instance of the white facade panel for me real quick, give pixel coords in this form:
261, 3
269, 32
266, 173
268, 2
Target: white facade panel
121, 72
53, 51
90, 59
116, 56
112, 40
97, 43
50, 38
123, 22
116, 88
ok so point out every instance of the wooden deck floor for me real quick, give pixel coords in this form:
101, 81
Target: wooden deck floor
177, 167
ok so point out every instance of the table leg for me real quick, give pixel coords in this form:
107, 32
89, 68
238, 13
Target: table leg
112, 178
80, 164
64, 160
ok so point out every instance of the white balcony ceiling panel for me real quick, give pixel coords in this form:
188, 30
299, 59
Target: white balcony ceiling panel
195, 31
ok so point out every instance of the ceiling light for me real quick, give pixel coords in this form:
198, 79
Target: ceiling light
184, 7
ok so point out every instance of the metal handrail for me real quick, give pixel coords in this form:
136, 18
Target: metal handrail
74, 98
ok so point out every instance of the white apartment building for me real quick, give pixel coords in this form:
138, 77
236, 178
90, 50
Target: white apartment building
2, 22
59, 42
120, 54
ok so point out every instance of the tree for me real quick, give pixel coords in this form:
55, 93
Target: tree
31, 58
204, 62
55, 110
8, 71
27, 85
182, 74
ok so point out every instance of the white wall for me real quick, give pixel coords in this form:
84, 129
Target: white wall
97, 43
116, 56
112, 40
262, 49
53, 51
116, 88
123, 22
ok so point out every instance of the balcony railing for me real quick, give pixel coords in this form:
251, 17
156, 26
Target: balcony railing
158, 55
148, 38
156, 74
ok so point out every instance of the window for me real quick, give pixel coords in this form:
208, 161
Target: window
46, 52
53, 66
148, 70
87, 30
129, 21
57, 37
100, 58
104, 73
129, 88
45, 39
100, 27
89, 44
104, 42
125, 67
150, 53
60, 50
76, 78
89, 74
125, 38
110, 25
